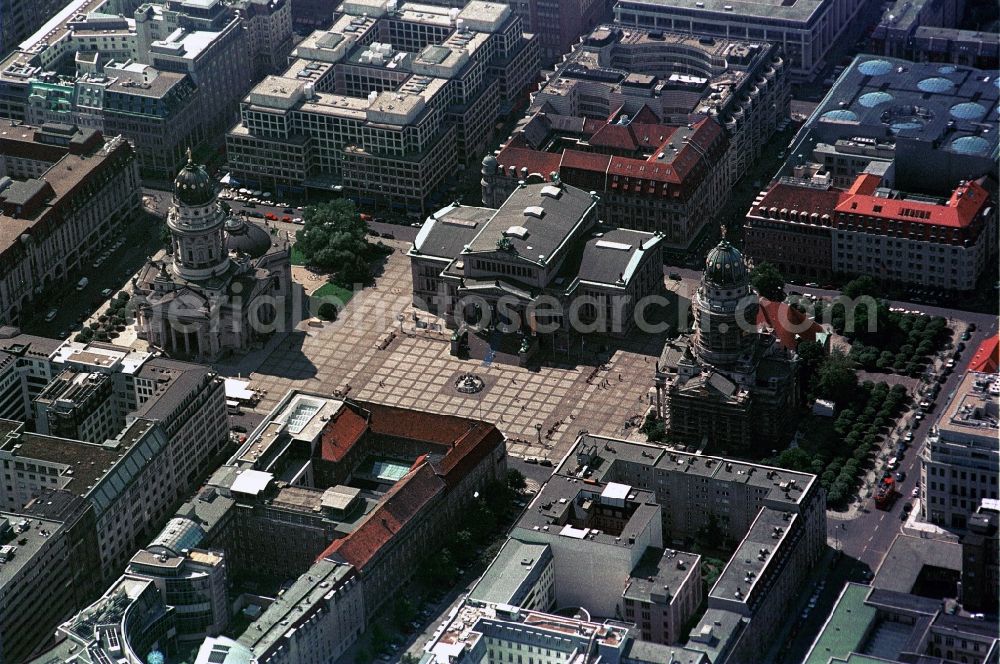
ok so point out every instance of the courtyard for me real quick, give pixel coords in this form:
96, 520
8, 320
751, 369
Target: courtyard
377, 351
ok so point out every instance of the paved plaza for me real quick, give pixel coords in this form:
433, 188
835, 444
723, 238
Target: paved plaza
369, 354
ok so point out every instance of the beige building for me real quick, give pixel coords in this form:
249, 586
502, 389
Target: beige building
742, 83
387, 104
64, 193
166, 75
960, 462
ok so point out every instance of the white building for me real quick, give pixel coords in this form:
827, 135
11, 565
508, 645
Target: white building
806, 30
960, 462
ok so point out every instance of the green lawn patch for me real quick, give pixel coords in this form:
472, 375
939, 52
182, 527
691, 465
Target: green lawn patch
334, 291
298, 258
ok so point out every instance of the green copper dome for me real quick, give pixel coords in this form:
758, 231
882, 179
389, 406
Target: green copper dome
724, 266
193, 186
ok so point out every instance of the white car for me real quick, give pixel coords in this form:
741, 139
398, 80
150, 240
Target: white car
51, 315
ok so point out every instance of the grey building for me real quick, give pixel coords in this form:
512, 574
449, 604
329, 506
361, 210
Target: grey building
806, 31
475, 266
928, 119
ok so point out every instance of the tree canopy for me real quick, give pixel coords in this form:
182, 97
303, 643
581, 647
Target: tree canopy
768, 281
836, 379
333, 238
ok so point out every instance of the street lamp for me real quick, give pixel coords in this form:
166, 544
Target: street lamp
538, 430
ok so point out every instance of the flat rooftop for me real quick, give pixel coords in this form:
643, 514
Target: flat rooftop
846, 627
80, 464
920, 101
760, 547
295, 604
661, 573
560, 502
974, 410
27, 539
600, 454
514, 563
796, 11
907, 557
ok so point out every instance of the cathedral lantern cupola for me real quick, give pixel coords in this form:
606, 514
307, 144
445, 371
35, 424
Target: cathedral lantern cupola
197, 225
725, 308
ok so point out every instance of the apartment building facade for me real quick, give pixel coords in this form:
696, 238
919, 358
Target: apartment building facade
169, 417
165, 75
960, 462
806, 32
63, 193
814, 231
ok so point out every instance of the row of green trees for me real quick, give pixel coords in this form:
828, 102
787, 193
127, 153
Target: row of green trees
109, 324
839, 454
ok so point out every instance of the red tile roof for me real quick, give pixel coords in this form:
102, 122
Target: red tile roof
341, 434
987, 357
960, 210
586, 161
803, 199
417, 425
403, 501
790, 325
470, 449
534, 160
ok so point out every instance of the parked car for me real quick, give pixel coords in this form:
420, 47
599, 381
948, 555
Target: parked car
901, 476
107, 292
916, 492
675, 276
288, 210
51, 315
908, 437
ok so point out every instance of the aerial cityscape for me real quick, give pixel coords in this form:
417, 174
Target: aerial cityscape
499, 332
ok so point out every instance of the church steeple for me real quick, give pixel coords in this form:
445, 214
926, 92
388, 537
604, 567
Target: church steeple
725, 307
197, 225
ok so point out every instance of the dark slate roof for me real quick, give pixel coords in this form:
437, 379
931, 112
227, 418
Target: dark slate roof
561, 214
601, 262
447, 231
877, 92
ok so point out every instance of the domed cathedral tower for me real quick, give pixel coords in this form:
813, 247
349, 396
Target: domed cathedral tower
725, 308
222, 283
197, 225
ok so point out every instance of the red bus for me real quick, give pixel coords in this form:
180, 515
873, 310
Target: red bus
885, 493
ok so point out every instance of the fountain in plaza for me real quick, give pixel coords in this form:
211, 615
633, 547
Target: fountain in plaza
469, 384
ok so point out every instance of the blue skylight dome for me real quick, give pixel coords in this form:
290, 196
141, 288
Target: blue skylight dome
840, 115
972, 145
937, 84
875, 67
969, 110
904, 126
873, 99
947, 69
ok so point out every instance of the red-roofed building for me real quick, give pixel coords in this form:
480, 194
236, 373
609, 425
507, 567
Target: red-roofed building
388, 544
789, 325
651, 176
815, 232
986, 359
